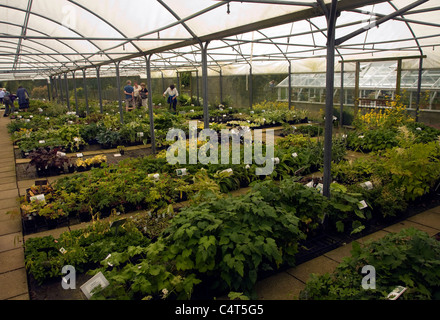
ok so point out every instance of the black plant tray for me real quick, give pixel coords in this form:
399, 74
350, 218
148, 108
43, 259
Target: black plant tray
316, 246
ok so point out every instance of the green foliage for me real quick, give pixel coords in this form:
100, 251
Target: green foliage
415, 169
310, 130
44, 260
409, 258
372, 140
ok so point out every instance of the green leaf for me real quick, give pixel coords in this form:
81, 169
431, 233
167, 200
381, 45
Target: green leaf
340, 226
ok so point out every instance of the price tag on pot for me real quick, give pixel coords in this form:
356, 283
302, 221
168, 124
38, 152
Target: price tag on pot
38, 197
181, 172
96, 281
140, 134
396, 293
79, 155
367, 185
275, 160
362, 205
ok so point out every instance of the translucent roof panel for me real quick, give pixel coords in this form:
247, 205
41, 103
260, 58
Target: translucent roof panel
47, 37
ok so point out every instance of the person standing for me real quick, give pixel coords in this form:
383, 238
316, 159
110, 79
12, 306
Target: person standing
137, 98
172, 96
143, 93
23, 98
129, 96
8, 100
2, 95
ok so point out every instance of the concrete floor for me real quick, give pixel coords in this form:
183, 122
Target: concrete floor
13, 279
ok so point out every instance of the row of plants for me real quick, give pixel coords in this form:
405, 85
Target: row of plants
410, 259
221, 243
225, 243
130, 185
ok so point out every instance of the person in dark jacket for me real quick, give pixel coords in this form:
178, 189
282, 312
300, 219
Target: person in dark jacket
23, 98
8, 100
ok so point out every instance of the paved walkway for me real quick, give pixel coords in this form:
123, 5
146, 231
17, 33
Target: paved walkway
13, 279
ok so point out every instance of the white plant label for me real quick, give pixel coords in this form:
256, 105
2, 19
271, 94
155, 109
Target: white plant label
42, 141
310, 184
320, 187
361, 137
38, 197
367, 185
396, 293
181, 172
362, 205
229, 171
63, 251
117, 155
154, 176
275, 160
79, 155
61, 154
97, 280
294, 155
140, 134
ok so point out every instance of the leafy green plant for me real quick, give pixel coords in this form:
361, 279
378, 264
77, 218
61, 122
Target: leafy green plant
409, 258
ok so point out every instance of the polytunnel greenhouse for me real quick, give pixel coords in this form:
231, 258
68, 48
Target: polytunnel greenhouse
220, 150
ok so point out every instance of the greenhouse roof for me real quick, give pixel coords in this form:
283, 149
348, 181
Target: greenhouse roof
41, 38
373, 76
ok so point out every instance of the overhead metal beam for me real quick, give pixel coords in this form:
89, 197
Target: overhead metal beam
23, 33
379, 21
287, 3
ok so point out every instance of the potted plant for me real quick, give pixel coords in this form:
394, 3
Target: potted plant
121, 149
